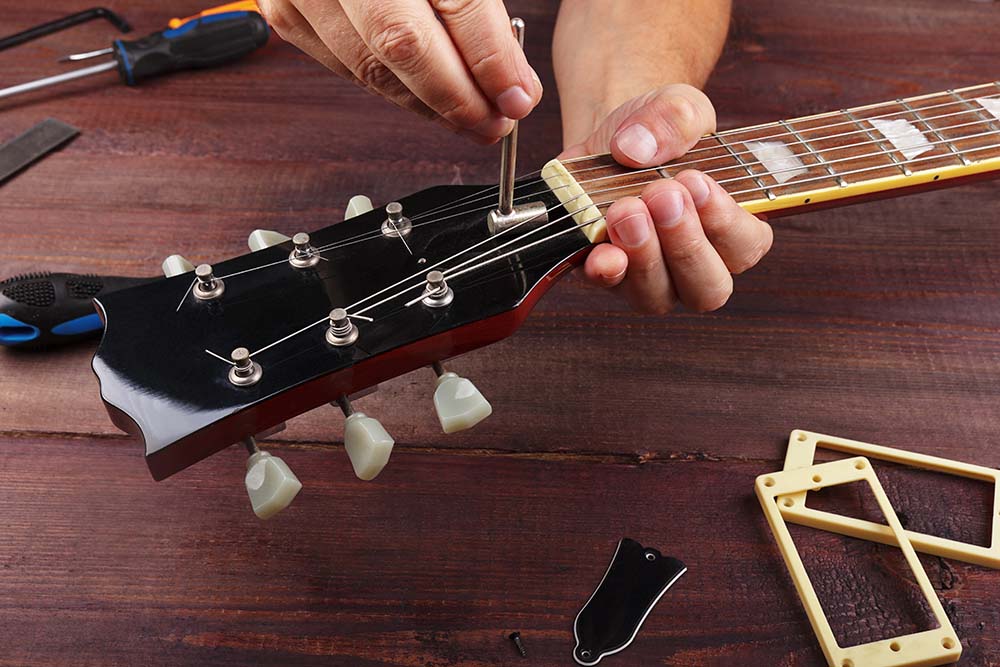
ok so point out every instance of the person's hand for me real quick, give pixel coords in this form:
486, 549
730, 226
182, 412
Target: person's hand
684, 238
455, 61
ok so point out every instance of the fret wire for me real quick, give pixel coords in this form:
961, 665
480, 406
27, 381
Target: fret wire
930, 128
798, 182
794, 143
876, 168
878, 142
823, 115
814, 179
978, 110
815, 154
892, 156
746, 167
794, 120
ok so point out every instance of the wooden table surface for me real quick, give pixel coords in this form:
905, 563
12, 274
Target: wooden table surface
877, 322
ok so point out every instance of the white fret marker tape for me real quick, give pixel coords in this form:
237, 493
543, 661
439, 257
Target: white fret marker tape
991, 104
778, 159
907, 139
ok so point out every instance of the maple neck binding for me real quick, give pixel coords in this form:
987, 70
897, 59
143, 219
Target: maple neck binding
811, 162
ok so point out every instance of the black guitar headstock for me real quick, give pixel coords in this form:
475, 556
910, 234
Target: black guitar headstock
196, 362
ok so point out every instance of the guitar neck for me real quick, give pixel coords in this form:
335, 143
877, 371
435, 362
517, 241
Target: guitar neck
828, 159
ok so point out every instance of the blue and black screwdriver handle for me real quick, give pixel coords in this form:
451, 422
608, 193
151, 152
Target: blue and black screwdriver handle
214, 37
39, 310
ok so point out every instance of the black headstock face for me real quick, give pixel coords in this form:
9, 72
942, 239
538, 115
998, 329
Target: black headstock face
160, 381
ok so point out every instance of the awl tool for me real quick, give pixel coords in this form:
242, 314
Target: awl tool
207, 40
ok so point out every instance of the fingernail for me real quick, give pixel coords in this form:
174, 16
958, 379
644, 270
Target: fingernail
670, 207
637, 143
633, 231
615, 279
699, 189
538, 82
514, 102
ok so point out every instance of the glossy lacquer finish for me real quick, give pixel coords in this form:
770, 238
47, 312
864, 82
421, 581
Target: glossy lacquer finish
160, 384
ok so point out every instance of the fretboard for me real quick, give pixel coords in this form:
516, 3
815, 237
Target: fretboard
791, 165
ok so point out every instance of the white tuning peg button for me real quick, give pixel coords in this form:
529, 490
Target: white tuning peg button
358, 205
368, 445
271, 484
260, 239
459, 404
175, 265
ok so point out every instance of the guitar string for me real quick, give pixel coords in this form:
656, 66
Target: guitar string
734, 131
422, 272
492, 191
815, 166
812, 153
534, 243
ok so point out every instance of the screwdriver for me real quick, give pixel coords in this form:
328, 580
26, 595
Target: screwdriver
206, 40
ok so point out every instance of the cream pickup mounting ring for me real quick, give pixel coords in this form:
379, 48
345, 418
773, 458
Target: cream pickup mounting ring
802, 446
929, 648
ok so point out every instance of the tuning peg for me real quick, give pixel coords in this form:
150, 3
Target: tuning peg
367, 442
358, 205
270, 483
459, 404
260, 239
175, 265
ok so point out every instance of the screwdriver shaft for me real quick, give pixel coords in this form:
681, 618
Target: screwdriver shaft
59, 78
86, 56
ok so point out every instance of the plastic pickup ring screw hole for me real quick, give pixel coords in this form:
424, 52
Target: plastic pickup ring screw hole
801, 437
769, 482
817, 479
650, 557
860, 465
948, 643
585, 654
894, 647
847, 663
787, 502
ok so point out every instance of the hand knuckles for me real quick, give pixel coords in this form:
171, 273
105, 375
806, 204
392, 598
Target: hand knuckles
399, 41
460, 111
275, 17
455, 9
713, 297
685, 252
677, 116
484, 63
373, 73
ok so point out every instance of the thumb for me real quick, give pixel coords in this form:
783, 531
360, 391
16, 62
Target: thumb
669, 122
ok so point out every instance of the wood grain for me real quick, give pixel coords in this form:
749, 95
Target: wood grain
877, 322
